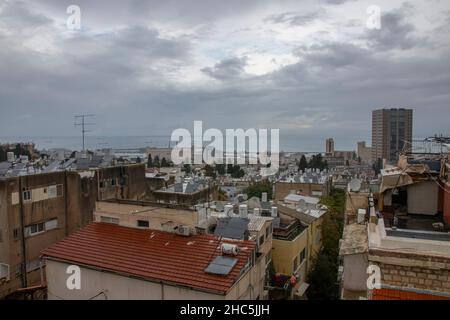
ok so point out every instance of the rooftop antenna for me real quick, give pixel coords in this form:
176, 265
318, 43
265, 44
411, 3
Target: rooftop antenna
82, 122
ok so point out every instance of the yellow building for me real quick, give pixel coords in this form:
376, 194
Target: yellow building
296, 242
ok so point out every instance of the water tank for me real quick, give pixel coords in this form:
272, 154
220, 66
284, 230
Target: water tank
228, 209
264, 197
10, 156
274, 212
229, 249
243, 210
256, 211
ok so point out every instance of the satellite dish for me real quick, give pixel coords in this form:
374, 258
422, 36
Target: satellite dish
355, 185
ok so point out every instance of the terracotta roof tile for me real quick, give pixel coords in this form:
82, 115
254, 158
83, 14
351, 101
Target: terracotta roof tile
150, 254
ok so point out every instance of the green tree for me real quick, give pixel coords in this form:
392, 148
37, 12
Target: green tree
303, 163
187, 168
221, 169
256, 189
149, 161
323, 276
317, 162
164, 162
322, 279
210, 171
156, 162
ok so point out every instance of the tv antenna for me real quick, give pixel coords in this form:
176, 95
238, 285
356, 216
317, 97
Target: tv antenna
80, 120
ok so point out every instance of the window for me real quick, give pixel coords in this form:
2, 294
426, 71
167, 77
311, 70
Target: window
295, 264
261, 240
102, 184
302, 255
1, 236
52, 191
113, 182
26, 195
143, 223
4, 271
109, 220
34, 229
51, 224
59, 190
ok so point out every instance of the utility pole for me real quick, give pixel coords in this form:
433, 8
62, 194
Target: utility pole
81, 122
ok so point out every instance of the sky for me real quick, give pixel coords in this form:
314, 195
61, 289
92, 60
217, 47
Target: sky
312, 69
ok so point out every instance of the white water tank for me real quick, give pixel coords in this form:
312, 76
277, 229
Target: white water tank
274, 212
229, 249
10, 156
264, 197
256, 211
228, 209
243, 210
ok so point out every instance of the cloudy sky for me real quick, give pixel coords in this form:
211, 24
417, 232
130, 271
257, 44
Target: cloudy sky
310, 68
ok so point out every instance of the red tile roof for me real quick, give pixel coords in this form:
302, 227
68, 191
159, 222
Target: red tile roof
150, 254
391, 294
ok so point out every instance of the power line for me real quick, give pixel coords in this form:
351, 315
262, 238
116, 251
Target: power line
81, 118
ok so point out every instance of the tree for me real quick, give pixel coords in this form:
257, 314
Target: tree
149, 161
303, 163
256, 189
187, 168
164, 162
156, 162
221, 169
323, 276
323, 279
317, 162
138, 160
210, 171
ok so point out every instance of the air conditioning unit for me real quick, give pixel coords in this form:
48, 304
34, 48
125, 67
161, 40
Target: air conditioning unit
184, 231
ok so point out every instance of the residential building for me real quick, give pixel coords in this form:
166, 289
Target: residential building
402, 237
329, 146
153, 265
391, 133
188, 191
41, 209
364, 153
309, 183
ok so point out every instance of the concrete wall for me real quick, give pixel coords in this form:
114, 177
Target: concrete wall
355, 276
423, 198
285, 252
446, 196
118, 287
128, 215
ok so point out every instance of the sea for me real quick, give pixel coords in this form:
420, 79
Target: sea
288, 142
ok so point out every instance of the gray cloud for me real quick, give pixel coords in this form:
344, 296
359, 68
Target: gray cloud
396, 31
227, 69
143, 76
296, 18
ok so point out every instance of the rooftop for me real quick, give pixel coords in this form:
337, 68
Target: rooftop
151, 255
